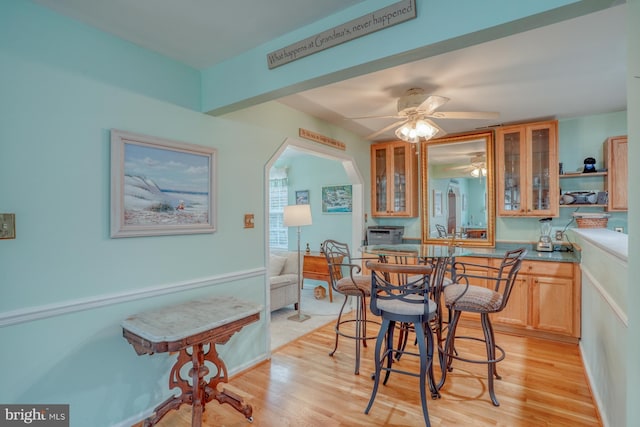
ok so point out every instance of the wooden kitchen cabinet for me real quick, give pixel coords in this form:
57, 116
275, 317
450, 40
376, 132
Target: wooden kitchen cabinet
394, 180
527, 169
516, 313
544, 302
552, 305
615, 157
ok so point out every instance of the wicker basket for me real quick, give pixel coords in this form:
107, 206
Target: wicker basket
586, 222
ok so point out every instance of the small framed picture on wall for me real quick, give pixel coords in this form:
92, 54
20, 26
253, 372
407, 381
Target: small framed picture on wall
302, 197
337, 199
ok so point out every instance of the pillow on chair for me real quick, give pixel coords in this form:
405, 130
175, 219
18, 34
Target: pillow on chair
276, 264
476, 298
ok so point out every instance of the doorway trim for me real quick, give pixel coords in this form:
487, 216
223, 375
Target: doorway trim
357, 215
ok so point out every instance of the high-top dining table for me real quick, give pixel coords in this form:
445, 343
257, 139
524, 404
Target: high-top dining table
442, 256
401, 253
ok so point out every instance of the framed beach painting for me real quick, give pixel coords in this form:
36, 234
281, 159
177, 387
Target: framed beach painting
160, 187
337, 199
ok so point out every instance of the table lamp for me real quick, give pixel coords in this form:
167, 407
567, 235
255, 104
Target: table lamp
297, 216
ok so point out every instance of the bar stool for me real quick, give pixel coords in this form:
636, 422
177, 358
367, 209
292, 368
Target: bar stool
437, 281
346, 280
462, 296
408, 303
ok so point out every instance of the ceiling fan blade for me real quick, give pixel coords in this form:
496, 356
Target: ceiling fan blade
386, 128
395, 116
432, 103
474, 115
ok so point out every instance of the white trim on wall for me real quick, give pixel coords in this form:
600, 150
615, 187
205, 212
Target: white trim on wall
29, 314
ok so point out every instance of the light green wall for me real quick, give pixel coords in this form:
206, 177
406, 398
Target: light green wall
275, 114
41, 39
55, 176
633, 101
312, 173
63, 86
583, 137
603, 343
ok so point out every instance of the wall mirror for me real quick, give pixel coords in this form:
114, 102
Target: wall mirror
457, 189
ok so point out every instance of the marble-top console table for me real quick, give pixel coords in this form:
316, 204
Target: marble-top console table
199, 325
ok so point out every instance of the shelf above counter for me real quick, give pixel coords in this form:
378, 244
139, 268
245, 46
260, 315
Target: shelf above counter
582, 175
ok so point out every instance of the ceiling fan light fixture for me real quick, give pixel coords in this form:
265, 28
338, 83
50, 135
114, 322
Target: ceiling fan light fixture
425, 130
478, 171
414, 130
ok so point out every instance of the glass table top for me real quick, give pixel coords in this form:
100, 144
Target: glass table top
415, 250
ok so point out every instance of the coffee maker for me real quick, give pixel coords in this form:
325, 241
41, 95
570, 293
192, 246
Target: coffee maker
544, 243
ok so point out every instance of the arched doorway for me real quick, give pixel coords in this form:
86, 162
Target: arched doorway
351, 169
354, 178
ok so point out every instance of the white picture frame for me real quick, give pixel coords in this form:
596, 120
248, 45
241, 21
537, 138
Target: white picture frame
160, 186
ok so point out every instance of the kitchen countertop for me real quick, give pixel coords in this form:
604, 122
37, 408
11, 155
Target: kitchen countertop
501, 247
532, 254
608, 240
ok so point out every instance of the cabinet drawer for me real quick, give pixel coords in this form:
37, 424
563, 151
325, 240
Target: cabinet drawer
547, 268
316, 264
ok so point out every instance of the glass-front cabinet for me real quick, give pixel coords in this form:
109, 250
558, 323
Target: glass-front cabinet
527, 169
394, 180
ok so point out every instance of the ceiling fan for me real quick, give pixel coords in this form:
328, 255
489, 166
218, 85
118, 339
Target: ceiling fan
415, 111
477, 166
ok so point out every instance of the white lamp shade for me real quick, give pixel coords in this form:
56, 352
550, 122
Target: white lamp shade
297, 215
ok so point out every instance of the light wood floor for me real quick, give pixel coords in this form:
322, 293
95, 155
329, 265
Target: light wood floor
543, 384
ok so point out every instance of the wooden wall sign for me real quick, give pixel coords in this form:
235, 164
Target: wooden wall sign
367, 24
307, 134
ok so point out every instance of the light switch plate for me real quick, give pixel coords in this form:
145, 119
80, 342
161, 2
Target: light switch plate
7, 226
248, 221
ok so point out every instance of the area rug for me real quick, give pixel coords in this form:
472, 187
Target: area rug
321, 312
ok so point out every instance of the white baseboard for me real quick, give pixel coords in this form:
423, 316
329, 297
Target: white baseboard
594, 391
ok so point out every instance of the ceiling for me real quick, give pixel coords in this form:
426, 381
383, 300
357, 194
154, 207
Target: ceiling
573, 68
570, 69
199, 33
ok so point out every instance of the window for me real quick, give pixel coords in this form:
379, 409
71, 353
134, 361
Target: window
278, 199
